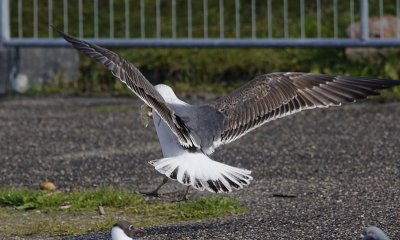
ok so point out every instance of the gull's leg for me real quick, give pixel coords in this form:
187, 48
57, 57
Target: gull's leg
155, 191
185, 196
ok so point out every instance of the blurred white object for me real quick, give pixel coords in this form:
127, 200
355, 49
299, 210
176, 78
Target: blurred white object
20, 83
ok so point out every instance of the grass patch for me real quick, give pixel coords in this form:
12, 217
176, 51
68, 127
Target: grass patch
219, 71
38, 213
77, 200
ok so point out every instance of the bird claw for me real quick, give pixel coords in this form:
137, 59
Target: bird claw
185, 196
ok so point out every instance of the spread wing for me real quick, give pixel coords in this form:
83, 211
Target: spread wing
135, 80
276, 95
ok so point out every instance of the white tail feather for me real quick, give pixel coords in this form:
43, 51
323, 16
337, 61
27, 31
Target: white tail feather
201, 172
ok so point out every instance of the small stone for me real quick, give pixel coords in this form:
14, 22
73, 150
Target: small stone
47, 186
101, 210
65, 207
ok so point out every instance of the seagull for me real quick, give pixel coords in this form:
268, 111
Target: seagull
373, 233
122, 230
189, 134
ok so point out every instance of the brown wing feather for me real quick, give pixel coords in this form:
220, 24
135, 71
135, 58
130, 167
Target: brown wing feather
276, 95
134, 79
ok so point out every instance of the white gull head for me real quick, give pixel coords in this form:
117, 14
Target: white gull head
123, 230
118, 234
167, 93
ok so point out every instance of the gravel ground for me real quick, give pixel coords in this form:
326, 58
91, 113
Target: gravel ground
341, 165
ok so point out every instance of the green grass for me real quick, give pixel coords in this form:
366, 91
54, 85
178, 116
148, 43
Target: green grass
79, 200
277, 21
37, 213
219, 71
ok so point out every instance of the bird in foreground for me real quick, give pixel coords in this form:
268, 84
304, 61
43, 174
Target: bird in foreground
373, 233
123, 230
188, 134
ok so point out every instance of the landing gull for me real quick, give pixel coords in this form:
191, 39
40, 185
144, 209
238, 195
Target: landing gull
188, 134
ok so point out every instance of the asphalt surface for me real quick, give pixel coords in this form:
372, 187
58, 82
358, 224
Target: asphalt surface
341, 166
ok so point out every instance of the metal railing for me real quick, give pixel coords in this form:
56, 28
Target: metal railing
188, 23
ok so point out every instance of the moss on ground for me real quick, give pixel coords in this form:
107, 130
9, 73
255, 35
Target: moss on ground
37, 213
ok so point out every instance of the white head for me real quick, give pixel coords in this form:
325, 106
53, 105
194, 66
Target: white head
118, 234
122, 231
167, 93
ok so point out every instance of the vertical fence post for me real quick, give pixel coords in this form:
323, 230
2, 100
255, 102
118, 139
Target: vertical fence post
364, 12
4, 21
5, 56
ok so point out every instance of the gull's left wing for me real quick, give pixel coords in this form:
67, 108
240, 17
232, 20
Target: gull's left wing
135, 81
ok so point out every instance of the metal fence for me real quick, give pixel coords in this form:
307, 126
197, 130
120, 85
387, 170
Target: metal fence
199, 23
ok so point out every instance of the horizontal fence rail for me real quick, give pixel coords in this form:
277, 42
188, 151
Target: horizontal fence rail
202, 23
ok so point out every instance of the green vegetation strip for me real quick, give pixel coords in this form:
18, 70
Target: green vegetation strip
37, 213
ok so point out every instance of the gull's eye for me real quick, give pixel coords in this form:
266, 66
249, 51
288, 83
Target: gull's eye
130, 227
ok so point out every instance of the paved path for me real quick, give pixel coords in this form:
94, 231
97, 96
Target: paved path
342, 165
